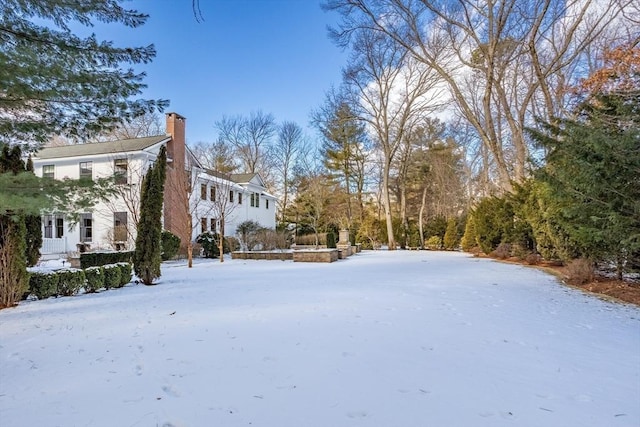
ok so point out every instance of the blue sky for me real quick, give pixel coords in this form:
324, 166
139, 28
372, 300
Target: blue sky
247, 55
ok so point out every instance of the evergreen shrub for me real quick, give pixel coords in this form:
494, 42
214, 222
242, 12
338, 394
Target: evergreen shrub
331, 240
468, 241
125, 273
209, 242
170, 245
44, 284
434, 243
450, 240
493, 220
96, 259
95, 279
111, 276
70, 281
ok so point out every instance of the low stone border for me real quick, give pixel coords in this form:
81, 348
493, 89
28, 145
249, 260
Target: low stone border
320, 255
263, 255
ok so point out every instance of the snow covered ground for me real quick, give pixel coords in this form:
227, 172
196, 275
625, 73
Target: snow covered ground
382, 339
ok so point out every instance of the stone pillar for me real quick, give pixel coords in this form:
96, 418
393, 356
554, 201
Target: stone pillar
344, 243
344, 237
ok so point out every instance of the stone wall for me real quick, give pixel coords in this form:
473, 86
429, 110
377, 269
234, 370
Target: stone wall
322, 255
270, 256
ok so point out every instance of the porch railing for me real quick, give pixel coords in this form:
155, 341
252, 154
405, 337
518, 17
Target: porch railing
54, 246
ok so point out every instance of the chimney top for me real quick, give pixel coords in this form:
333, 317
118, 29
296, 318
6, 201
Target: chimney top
176, 115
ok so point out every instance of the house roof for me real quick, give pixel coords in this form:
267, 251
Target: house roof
79, 150
242, 177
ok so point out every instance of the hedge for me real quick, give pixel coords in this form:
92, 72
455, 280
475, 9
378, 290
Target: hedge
70, 281
170, 245
125, 273
44, 284
95, 279
94, 259
111, 276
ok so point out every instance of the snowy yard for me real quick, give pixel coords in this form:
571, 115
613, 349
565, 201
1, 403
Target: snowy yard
382, 339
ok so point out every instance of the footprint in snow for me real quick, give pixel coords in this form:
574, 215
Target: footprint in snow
356, 414
170, 391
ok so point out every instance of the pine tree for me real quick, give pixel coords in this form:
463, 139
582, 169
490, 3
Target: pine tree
56, 82
148, 253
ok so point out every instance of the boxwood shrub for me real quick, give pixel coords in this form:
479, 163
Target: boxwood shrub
70, 281
95, 279
92, 259
44, 284
170, 245
125, 273
111, 276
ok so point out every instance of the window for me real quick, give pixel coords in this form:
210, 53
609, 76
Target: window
203, 225
120, 168
48, 226
59, 227
120, 226
53, 226
213, 225
86, 228
257, 200
48, 171
253, 200
266, 202
203, 191
86, 170
239, 198
231, 196
212, 194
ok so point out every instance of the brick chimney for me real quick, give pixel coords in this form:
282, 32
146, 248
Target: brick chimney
176, 202
176, 147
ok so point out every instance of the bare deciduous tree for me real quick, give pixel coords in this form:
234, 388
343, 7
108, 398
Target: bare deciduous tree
392, 92
288, 149
504, 61
251, 139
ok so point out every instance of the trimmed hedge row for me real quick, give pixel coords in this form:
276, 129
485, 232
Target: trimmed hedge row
97, 259
70, 281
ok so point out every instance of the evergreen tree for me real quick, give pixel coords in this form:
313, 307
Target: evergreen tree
451, 235
468, 241
13, 255
148, 253
56, 82
343, 148
592, 176
34, 231
14, 279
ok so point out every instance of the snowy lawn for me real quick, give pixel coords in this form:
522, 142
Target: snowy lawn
382, 339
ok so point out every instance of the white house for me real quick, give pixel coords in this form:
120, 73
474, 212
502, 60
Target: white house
111, 224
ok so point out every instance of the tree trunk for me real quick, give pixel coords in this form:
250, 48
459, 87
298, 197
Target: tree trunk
403, 214
420, 218
391, 242
190, 254
221, 243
